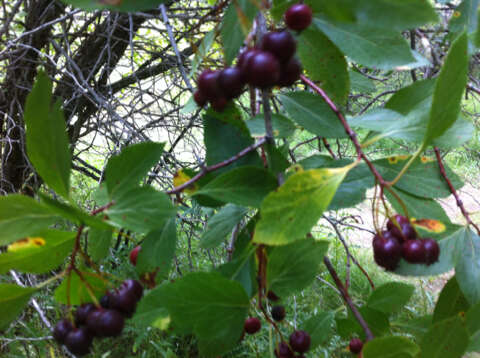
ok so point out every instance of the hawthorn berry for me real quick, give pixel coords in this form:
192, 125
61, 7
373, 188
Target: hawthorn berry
105, 301
252, 325
136, 250
387, 251
105, 323
413, 251
82, 313
432, 251
278, 313
219, 104
290, 72
281, 44
61, 330
134, 287
243, 59
283, 351
231, 80
201, 101
298, 17
78, 341
355, 345
263, 70
208, 84
124, 301
405, 231
300, 341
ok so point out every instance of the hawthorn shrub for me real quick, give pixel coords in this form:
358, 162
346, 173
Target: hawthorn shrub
288, 66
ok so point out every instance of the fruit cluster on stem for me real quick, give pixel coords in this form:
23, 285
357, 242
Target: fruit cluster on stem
106, 320
400, 240
355, 346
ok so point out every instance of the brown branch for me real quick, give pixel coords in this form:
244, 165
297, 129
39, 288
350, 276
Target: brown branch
217, 166
328, 147
453, 191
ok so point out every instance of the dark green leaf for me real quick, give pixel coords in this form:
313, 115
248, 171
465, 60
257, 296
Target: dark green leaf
445, 339
319, 327
324, 62
289, 213
449, 90
47, 141
293, 267
473, 318
311, 112
450, 302
246, 186
39, 258
99, 241
78, 290
116, 5
360, 83
13, 299
282, 126
390, 297
150, 312
468, 268
141, 209
465, 18
124, 171
21, 216
221, 224
390, 347
201, 52
158, 250
377, 322
242, 270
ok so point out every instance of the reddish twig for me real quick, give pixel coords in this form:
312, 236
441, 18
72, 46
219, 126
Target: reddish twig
347, 299
217, 166
102, 209
453, 191
328, 147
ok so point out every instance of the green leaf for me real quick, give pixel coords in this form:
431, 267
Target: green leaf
246, 186
208, 305
360, 83
445, 339
150, 313
390, 297
158, 250
221, 224
377, 322
311, 112
235, 26
466, 20
202, 51
141, 209
243, 270
369, 46
319, 327
116, 5
13, 299
46, 136
289, 213
468, 268
473, 318
124, 171
99, 241
390, 347
450, 302
293, 267
21, 216
449, 90
423, 178
78, 291
282, 126
51, 253
324, 62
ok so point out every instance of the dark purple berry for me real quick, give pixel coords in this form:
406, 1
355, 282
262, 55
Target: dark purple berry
290, 72
387, 251
252, 325
231, 81
208, 84
123, 301
300, 341
134, 287
298, 17
432, 251
78, 341
355, 346
405, 231
281, 44
244, 57
82, 313
105, 302
283, 351
263, 70
61, 330
201, 100
413, 251
278, 313
105, 323
219, 104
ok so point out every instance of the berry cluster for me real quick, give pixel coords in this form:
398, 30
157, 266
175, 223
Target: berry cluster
401, 240
104, 321
270, 63
355, 346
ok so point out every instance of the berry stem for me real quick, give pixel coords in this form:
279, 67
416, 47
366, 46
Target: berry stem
408, 165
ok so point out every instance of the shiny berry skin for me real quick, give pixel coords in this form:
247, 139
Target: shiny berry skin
413, 251
387, 251
300, 341
283, 351
61, 330
219, 104
432, 251
231, 80
123, 301
78, 341
201, 101
406, 230
281, 44
134, 287
298, 17
272, 296
208, 84
82, 313
290, 72
105, 323
263, 70
355, 345
244, 57
252, 325
105, 301
278, 313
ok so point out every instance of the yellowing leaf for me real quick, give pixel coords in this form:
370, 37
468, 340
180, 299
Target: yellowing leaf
181, 178
430, 225
27, 243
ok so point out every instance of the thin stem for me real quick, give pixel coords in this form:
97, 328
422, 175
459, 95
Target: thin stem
408, 165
